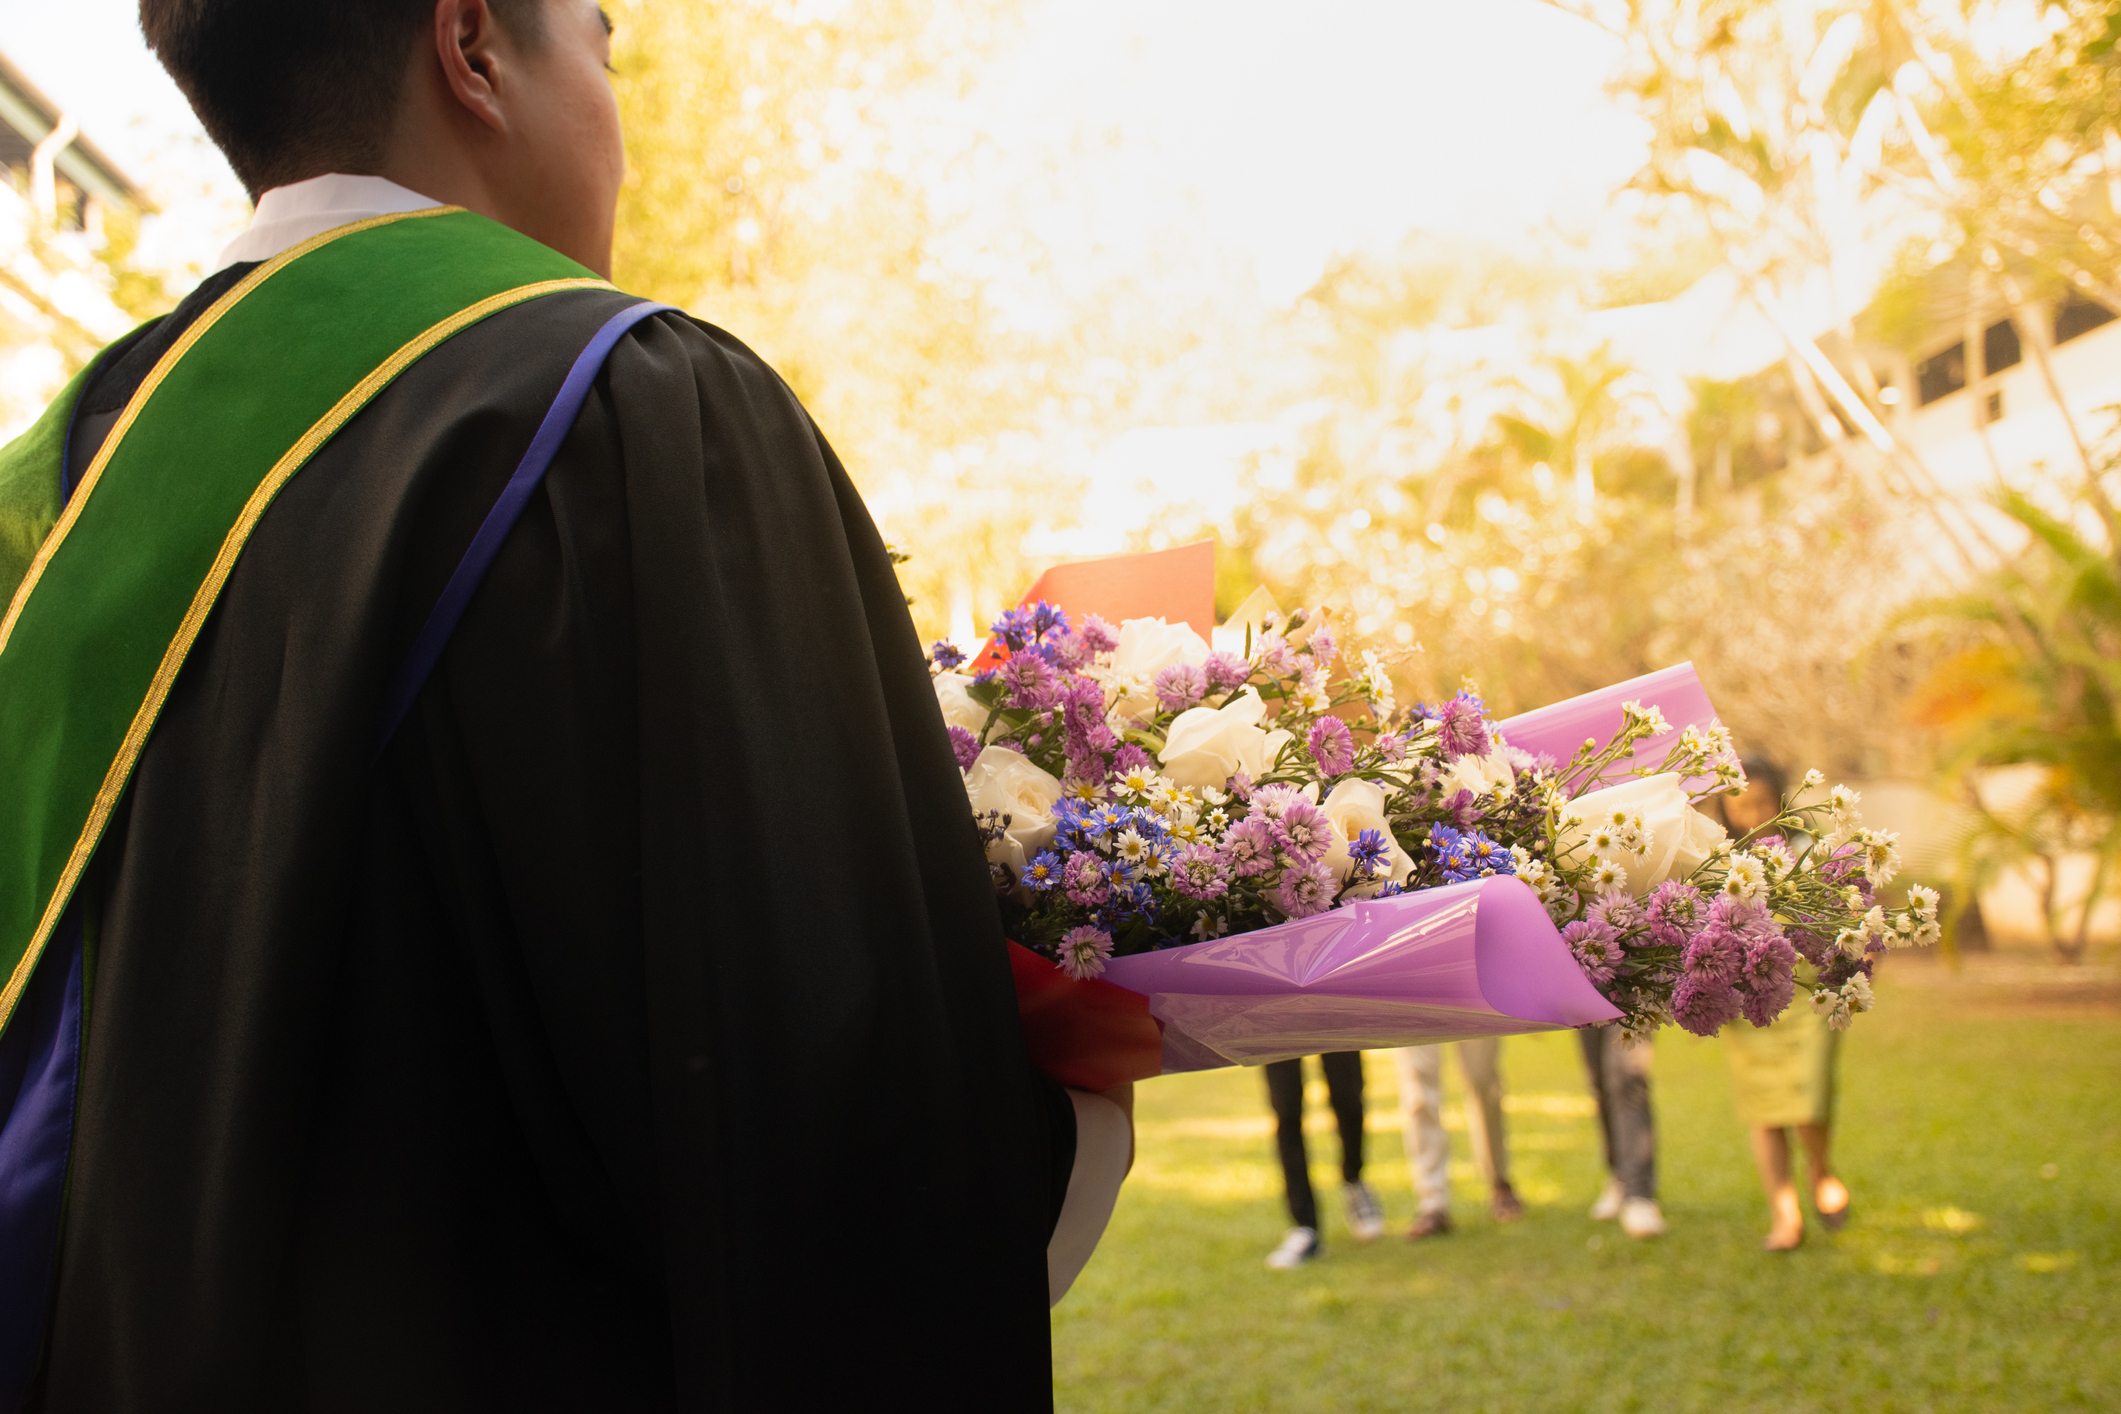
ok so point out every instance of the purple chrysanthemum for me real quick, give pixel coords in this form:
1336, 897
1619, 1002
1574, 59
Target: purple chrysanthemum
965, 746
1097, 634
1251, 845
1715, 954
1615, 910
1031, 683
1129, 758
1769, 978
1271, 801
1226, 671
1810, 944
1084, 952
1083, 879
1306, 828
1704, 1007
1596, 947
1748, 918
1464, 807
1180, 686
1332, 746
1199, 873
1305, 890
1462, 730
1675, 910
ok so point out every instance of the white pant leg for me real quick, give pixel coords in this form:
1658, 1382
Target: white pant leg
1421, 1125
1481, 1061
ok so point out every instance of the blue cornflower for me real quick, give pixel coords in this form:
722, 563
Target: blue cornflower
1047, 618
1014, 628
1366, 849
946, 655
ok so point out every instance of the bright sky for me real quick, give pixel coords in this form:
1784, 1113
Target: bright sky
1287, 131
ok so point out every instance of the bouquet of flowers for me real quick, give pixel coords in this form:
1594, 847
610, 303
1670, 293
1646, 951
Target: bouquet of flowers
1138, 791
1670, 918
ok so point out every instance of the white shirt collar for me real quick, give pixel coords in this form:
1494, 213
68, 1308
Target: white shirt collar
289, 215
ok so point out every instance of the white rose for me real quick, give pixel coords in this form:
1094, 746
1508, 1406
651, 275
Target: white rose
1681, 837
953, 693
1146, 648
1208, 745
1004, 780
1355, 806
1478, 774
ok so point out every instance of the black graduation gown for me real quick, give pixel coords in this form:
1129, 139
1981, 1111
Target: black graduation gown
636, 1032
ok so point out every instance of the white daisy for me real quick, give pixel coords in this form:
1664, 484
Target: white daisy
1747, 878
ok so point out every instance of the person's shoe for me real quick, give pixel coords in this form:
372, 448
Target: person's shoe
1825, 1191
1436, 1224
1300, 1246
1608, 1205
1366, 1216
1505, 1204
1641, 1217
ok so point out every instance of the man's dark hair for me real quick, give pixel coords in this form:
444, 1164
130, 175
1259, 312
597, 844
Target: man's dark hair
289, 91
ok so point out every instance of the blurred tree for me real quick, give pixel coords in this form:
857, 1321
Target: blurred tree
2032, 681
782, 161
64, 294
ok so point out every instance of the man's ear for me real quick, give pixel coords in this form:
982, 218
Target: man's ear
469, 43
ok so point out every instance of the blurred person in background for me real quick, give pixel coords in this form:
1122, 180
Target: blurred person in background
1285, 1091
1783, 1076
1429, 1146
1619, 1071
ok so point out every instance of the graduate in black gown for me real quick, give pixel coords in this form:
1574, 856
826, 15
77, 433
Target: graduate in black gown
634, 1031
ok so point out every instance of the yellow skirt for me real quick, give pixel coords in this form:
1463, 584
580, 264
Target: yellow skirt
1783, 1074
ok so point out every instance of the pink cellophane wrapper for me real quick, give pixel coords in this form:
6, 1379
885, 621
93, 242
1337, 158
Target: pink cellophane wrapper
1558, 731
1475, 959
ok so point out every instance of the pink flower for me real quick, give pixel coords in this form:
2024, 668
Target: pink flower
1180, 686
1597, 949
1084, 952
1306, 889
1332, 746
1462, 730
1250, 846
1306, 828
1704, 1007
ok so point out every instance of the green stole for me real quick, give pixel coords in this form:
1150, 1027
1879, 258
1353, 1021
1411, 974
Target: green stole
121, 583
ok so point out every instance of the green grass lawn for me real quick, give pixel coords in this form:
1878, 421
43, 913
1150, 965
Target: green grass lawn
1980, 1131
